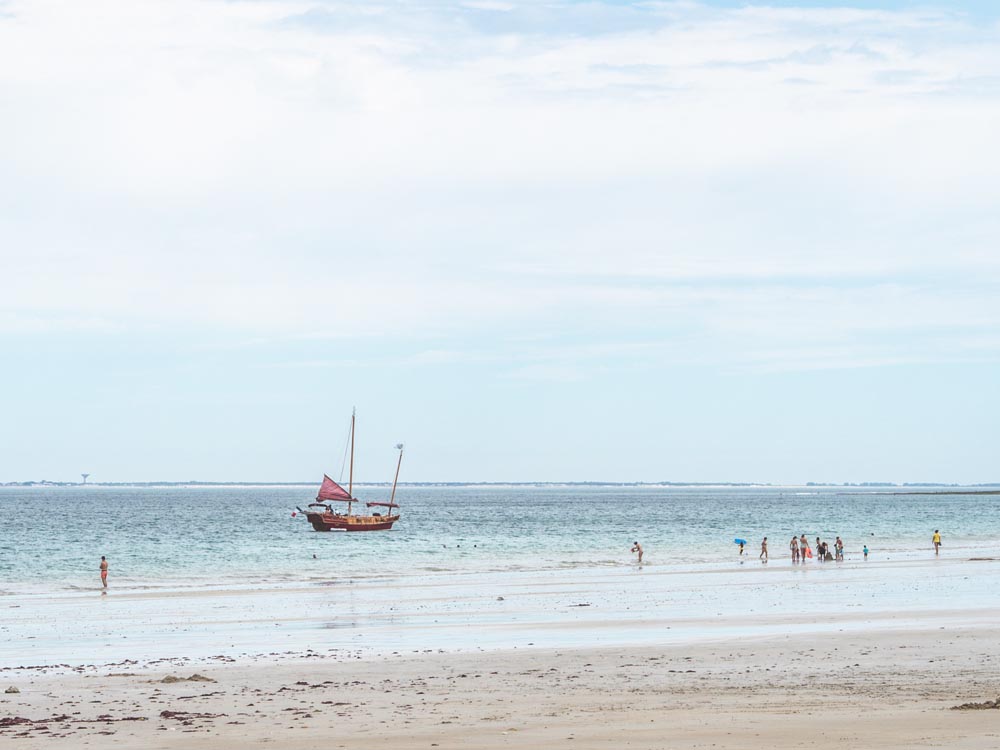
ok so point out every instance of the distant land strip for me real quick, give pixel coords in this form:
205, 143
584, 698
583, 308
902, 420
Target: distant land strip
943, 492
920, 488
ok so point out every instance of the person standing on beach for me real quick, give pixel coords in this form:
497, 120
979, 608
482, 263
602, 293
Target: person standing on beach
636, 547
763, 550
937, 542
104, 571
804, 550
838, 548
794, 546
865, 551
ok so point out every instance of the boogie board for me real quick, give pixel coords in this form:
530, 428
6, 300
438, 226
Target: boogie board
809, 552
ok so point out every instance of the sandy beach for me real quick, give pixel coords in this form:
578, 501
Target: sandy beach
890, 689
866, 656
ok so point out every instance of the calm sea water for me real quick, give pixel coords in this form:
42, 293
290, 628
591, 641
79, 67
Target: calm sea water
52, 538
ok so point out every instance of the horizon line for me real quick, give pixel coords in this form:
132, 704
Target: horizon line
524, 483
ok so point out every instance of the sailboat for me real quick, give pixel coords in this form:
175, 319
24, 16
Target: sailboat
321, 513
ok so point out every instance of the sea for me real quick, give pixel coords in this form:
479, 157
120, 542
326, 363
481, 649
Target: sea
237, 536
202, 573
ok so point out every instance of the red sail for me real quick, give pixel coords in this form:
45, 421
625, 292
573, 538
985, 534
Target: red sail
382, 505
330, 490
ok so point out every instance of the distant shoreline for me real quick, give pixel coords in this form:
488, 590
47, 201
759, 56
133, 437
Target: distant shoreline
943, 492
874, 488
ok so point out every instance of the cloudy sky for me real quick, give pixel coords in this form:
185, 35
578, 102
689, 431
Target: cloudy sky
533, 240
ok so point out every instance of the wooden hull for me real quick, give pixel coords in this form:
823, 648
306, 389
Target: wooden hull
332, 522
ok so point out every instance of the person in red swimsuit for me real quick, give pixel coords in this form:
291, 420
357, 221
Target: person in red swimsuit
104, 571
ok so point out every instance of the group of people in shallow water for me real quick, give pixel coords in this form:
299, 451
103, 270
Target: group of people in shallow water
801, 551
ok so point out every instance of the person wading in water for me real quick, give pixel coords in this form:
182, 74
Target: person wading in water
636, 547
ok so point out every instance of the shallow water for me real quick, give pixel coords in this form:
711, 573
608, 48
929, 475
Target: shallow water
580, 607
224, 536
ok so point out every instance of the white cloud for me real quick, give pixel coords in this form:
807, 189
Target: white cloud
302, 169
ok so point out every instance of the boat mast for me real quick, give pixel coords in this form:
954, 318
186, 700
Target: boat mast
392, 498
350, 477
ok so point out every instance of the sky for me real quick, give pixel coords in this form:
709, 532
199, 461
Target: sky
534, 241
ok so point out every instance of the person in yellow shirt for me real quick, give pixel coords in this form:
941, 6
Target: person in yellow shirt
937, 542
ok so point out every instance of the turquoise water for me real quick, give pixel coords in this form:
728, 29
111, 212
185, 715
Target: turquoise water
222, 536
